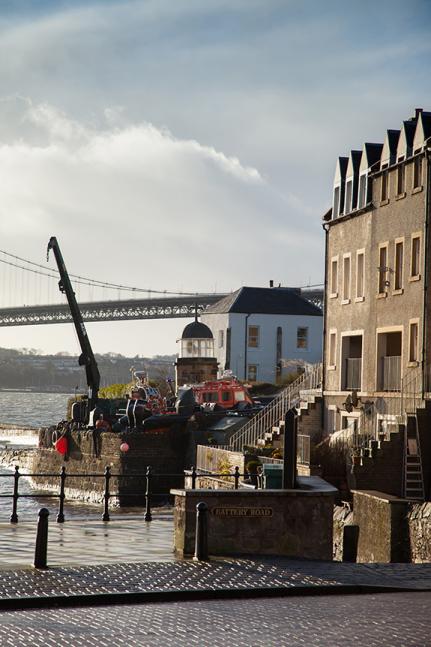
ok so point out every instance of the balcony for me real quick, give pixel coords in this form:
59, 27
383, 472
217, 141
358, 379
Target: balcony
353, 374
391, 373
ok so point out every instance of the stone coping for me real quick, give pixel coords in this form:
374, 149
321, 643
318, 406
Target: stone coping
381, 496
308, 486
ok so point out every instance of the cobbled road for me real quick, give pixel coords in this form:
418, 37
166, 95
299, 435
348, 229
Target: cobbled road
383, 620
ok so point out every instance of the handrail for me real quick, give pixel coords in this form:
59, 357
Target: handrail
256, 428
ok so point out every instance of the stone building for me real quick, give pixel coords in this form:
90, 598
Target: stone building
377, 324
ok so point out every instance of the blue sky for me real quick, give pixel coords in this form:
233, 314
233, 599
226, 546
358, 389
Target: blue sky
210, 126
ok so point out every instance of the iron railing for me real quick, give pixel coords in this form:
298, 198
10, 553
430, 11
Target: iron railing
391, 373
303, 450
353, 374
262, 423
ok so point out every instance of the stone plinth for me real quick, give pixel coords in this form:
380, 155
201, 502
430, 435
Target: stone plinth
294, 523
381, 521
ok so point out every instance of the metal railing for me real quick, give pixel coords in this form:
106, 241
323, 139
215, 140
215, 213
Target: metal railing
262, 423
303, 450
377, 418
147, 492
353, 373
391, 373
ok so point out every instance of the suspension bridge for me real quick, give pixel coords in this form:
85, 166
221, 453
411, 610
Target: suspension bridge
29, 295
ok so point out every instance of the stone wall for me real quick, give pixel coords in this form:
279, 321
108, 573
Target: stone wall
295, 523
419, 532
343, 516
383, 471
165, 451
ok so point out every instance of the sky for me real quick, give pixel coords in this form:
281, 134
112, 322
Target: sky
190, 145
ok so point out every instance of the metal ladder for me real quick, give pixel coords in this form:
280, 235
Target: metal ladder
413, 473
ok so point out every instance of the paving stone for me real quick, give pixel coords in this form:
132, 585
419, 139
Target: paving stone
385, 620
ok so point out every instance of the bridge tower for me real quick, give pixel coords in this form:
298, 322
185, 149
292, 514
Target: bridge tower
196, 362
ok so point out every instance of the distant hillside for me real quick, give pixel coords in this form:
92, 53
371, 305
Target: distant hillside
26, 368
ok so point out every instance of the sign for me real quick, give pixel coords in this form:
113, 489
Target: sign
241, 512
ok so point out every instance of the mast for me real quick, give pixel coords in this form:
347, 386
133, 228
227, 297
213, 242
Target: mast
86, 358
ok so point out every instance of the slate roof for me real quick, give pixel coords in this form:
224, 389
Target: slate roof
282, 301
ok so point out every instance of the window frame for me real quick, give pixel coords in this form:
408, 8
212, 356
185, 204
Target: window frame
250, 336
360, 297
256, 369
417, 235
417, 176
332, 294
397, 242
384, 279
413, 362
221, 338
401, 179
298, 347
346, 299
332, 349
384, 197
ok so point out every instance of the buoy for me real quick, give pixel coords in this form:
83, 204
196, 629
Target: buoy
124, 447
61, 445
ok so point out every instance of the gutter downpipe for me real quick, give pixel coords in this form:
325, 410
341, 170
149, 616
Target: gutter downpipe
325, 289
245, 345
425, 386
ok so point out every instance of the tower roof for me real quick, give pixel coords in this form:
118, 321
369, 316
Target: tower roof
196, 330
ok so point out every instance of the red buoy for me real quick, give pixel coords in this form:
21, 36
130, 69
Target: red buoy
61, 445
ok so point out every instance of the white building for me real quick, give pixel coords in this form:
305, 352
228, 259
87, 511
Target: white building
257, 329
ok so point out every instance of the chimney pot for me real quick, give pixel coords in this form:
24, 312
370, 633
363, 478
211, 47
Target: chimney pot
271, 283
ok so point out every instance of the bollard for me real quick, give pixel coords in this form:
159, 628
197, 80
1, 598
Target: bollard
148, 516
350, 543
236, 476
105, 516
14, 515
193, 478
201, 540
40, 553
60, 515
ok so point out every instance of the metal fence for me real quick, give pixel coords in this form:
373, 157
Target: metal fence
262, 423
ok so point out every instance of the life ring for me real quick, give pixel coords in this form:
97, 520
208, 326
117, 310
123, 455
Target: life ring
59, 441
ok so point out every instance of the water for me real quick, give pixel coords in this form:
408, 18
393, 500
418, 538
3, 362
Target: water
32, 409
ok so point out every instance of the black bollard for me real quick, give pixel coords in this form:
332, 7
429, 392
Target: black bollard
105, 516
236, 477
193, 478
148, 515
14, 515
40, 553
350, 543
289, 453
60, 515
201, 540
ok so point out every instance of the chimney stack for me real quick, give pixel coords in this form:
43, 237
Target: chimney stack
418, 112
271, 283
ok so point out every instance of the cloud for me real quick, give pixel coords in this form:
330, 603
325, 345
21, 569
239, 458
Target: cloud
187, 213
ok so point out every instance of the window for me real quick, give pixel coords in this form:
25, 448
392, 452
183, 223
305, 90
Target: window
416, 256
332, 350
336, 205
417, 172
401, 177
413, 341
348, 200
252, 372
362, 190
220, 338
346, 278
360, 270
334, 277
383, 268
385, 181
399, 264
225, 396
253, 336
302, 338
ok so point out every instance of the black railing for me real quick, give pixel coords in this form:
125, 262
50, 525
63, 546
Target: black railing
148, 494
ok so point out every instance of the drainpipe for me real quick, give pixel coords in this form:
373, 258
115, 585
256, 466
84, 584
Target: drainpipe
245, 345
425, 376
325, 289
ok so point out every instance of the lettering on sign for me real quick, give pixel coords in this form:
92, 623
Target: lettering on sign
241, 512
